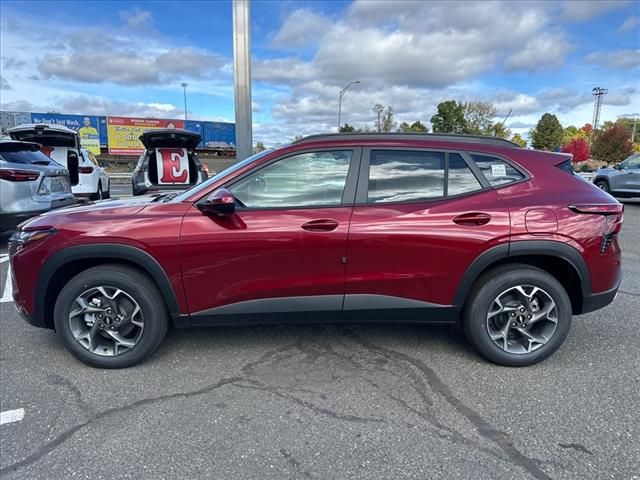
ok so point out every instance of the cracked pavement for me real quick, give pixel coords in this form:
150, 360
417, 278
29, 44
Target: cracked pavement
330, 401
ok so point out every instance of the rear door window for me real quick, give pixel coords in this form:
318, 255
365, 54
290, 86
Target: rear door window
460, 177
402, 176
496, 171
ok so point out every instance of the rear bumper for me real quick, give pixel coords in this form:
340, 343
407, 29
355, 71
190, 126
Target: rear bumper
10, 220
599, 300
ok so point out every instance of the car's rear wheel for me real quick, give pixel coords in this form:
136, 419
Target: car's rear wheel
603, 185
98, 194
111, 316
106, 194
517, 315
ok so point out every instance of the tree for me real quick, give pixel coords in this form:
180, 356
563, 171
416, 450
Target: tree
259, 147
547, 135
449, 118
416, 126
613, 144
298, 137
387, 123
479, 117
378, 109
519, 140
346, 128
498, 130
579, 147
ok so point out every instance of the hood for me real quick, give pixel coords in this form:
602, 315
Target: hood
129, 205
170, 138
48, 135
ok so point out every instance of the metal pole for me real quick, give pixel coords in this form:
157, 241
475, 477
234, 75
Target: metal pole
184, 88
340, 101
242, 78
340, 108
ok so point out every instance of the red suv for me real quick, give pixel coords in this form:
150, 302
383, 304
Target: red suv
348, 228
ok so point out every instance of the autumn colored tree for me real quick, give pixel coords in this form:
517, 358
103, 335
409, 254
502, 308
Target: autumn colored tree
613, 144
579, 148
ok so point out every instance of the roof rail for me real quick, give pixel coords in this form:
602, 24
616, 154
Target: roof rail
445, 137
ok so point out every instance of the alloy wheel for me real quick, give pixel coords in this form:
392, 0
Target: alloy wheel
522, 319
106, 321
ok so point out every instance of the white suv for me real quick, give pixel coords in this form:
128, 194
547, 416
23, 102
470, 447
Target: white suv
62, 144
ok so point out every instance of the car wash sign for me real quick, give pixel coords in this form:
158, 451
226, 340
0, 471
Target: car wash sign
86, 126
173, 166
123, 133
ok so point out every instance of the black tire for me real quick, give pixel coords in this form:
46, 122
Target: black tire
603, 185
488, 287
140, 287
98, 194
106, 195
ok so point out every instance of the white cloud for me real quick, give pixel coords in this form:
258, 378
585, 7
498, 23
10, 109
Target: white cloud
301, 28
622, 59
585, 10
136, 17
629, 24
4, 85
540, 53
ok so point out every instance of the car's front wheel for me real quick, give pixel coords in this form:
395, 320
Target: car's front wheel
111, 316
517, 315
603, 185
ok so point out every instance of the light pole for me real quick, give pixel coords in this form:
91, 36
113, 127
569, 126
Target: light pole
184, 89
340, 101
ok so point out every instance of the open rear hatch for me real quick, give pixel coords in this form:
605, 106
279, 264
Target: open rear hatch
170, 138
58, 143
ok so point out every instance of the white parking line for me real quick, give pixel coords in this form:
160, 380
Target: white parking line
4, 257
11, 416
7, 294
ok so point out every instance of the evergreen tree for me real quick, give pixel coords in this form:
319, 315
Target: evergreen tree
548, 133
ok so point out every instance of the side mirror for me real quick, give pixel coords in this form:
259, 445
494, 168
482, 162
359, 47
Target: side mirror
221, 203
618, 166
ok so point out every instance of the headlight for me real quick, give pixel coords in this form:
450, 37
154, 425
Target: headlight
20, 238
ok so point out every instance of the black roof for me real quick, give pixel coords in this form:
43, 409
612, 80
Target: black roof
445, 137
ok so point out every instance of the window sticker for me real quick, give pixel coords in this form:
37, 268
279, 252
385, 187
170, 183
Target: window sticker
498, 170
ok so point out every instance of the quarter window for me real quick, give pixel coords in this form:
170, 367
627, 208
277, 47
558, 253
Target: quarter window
461, 179
396, 175
496, 171
303, 180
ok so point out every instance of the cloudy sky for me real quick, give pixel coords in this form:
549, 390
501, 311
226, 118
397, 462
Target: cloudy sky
128, 58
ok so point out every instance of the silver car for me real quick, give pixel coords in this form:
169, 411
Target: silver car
30, 183
623, 180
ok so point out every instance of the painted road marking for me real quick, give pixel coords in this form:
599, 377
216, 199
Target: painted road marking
11, 416
7, 295
4, 257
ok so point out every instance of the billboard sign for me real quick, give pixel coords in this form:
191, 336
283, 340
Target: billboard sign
86, 126
123, 133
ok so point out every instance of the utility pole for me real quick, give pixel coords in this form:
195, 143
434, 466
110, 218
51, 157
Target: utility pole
598, 93
342, 92
184, 88
242, 78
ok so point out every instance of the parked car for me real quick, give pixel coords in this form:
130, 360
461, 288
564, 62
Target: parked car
93, 178
350, 228
623, 180
30, 183
63, 145
169, 162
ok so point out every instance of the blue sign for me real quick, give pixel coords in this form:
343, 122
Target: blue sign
88, 127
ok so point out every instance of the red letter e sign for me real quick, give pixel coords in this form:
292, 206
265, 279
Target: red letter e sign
173, 165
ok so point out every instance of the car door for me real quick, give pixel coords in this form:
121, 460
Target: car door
421, 217
282, 251
629, 179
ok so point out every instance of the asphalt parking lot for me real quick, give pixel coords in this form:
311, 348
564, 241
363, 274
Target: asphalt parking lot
330, 402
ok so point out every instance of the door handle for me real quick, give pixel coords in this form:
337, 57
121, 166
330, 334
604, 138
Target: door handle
472, 219
323, 225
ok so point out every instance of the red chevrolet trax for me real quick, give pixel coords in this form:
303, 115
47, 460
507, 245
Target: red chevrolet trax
391, 228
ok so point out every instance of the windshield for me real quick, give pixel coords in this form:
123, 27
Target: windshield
236, 166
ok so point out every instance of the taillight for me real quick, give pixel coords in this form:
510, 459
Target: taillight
85, 170
18, 175
614, 215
